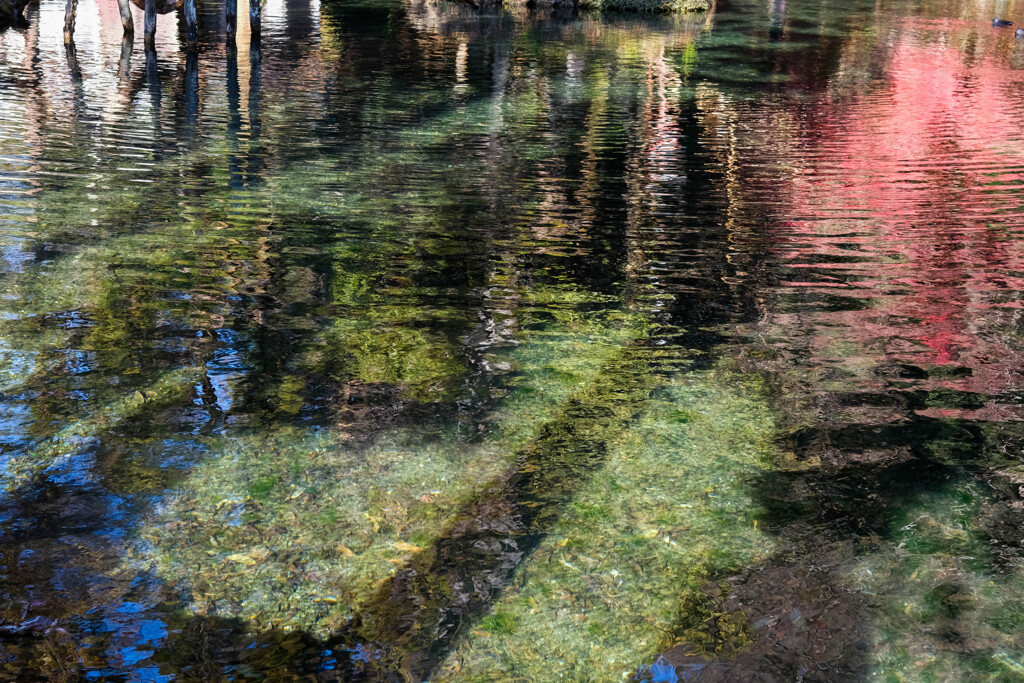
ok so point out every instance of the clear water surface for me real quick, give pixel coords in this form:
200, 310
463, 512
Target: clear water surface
433, 343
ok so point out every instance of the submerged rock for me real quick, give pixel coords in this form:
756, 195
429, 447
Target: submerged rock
797, 624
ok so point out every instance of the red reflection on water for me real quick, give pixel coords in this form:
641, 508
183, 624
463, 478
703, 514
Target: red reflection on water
907, 197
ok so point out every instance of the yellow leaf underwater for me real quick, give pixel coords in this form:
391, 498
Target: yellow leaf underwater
407, 547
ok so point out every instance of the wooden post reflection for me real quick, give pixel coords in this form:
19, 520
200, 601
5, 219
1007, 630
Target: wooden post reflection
153, 85
231, 18
70, 10
234, 118
255, 21
192, 90
77, 91
191, 22
124, 68
127, 22
255, 74
150, 25
72, 56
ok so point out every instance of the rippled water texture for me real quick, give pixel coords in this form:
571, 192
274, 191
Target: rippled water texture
431, 343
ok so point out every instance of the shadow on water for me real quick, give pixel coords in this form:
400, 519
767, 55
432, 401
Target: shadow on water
402, 633
848, 490
418, 615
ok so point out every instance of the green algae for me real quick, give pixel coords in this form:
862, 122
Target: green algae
302, 511
424, 366
943, 610
605, 593
500, 623
499, 527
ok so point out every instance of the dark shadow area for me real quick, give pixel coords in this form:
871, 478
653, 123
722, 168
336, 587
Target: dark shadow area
780, 622
791, 618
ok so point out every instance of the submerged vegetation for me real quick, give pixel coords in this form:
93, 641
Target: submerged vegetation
327, 509
669, 511
428, 342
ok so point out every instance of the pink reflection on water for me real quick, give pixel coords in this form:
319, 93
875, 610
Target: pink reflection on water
906, 196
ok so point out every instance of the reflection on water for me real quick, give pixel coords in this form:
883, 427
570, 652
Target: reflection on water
423, 343
892, 303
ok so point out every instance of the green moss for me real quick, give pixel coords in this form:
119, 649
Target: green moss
499, 623
347, 515
591, 512
260, 487
426, 368
609, 586
683, 416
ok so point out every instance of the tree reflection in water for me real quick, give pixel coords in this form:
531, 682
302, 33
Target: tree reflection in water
435, 344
